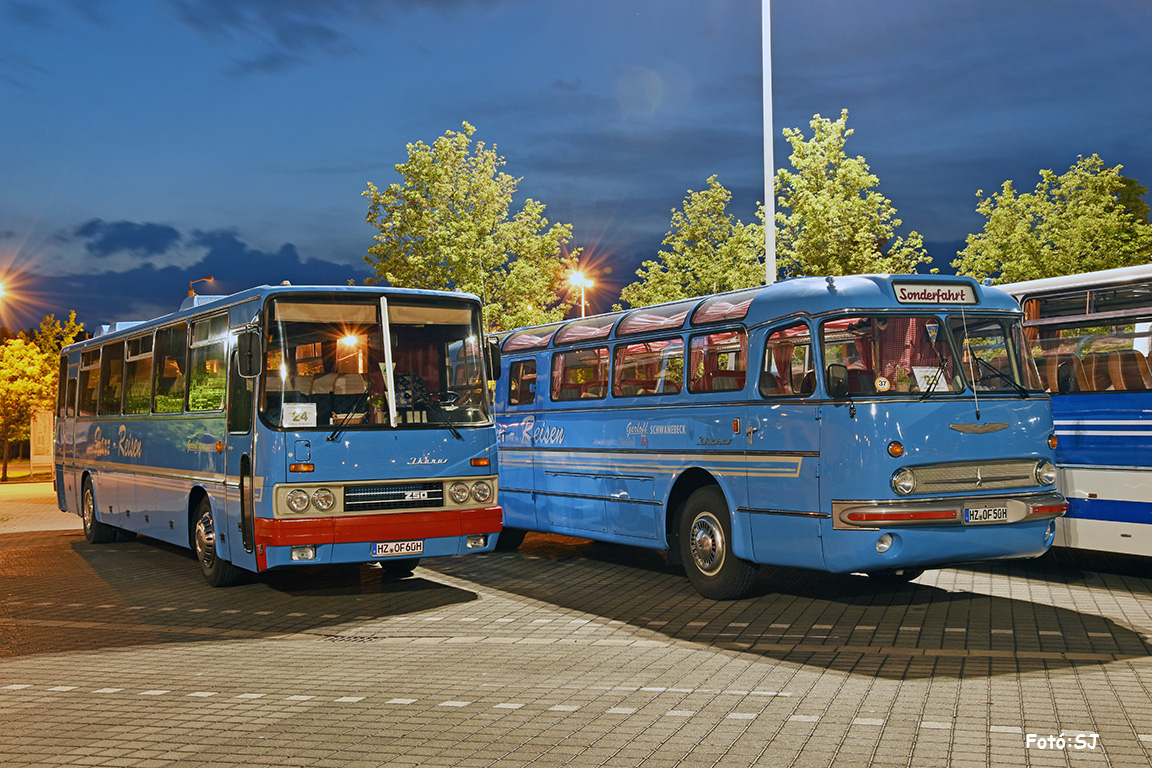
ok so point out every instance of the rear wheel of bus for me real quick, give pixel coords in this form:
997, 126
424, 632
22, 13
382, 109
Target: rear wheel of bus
217, 571
95, 531
706, 547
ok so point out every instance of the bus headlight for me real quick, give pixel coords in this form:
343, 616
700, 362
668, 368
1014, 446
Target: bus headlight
323, 499
904, 482
1045, 473
297, 500
481, 491
458, 491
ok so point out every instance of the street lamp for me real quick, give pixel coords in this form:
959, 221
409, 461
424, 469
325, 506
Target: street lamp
191, 290
577, 278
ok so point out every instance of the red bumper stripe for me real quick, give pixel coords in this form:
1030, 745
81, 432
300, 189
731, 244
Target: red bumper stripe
396, 527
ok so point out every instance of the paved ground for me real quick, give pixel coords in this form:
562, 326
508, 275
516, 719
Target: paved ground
565, 653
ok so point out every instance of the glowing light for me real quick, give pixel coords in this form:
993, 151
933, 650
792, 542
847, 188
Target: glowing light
577, 279
349, 341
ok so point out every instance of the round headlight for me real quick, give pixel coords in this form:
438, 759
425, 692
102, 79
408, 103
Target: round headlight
481, 491
297, 500
1045, 473
904, 482
458, 491
323, 499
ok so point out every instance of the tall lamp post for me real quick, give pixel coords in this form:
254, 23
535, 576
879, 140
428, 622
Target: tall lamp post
577, 278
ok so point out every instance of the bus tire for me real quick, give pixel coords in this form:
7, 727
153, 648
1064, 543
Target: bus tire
510, 539
95, 531
896, 575
398, 569
217, 571
706, 547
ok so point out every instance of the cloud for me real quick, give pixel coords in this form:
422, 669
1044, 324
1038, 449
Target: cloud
290, 31
141, 240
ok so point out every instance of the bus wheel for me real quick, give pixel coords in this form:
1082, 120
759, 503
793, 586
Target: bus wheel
896, 575
706, 548
95, 531
398, 569
217, 571
510, 539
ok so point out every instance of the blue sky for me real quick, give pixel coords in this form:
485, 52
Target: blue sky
146, 144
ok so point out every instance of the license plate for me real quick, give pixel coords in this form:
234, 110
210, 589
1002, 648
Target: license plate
986, 515
394, 548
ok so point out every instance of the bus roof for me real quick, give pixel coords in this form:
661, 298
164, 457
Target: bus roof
1117, 276
801, 295
201, 304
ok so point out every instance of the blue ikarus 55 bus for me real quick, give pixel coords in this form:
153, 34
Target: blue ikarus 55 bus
877, 424
286, 426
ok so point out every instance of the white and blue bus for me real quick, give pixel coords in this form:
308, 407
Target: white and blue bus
1091, 335
284, 426
876, 424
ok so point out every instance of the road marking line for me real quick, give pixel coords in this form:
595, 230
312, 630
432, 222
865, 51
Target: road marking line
453, 703
867, 721
204, 694
107, 690
250, 696
508, 705
154, 693
563, 708
349, 699
742, 716
621, 711
400, 701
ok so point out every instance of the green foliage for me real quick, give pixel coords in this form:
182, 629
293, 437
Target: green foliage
1081, 221
708, 251
830, 220
27, 384
449, 225
51, 336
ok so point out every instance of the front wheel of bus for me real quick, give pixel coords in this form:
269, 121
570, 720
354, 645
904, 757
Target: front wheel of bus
95, 531
398, 569
217, 571
706, 548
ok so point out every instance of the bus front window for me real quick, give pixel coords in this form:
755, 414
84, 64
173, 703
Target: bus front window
891, 354
326, 364
995, 354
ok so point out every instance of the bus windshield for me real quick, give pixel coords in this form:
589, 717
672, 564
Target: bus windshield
326, 364
996, 357
892, 354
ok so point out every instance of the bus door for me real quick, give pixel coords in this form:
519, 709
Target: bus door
782, 440
67, 489
517, 466
240, 467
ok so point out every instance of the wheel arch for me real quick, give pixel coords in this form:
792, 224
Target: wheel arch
689, 481
195, 496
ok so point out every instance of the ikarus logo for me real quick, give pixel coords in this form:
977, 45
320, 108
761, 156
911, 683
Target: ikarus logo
425, 459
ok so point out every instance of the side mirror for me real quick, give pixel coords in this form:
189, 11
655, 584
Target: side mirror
249, 354
492, 356
837, 380
1065, 383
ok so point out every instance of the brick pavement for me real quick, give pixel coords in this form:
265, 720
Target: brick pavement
565, 653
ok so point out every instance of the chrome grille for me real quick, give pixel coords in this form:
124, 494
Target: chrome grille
975, 476
373, 498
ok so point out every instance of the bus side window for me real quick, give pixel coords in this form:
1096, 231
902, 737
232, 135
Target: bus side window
787, 357
89, 381
581, 374
522, 382
718, 361
111, 379
138, 375
171, 355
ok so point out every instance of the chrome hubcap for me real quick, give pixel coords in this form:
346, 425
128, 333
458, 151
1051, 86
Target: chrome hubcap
89, 509
206, 539
707, 542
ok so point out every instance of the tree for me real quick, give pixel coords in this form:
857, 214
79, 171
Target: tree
27, 384
709, 251
449, 225
1081, 221
836, 223
51, 336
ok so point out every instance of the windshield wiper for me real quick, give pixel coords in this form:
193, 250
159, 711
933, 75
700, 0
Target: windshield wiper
994, 371
935, 380
347, 417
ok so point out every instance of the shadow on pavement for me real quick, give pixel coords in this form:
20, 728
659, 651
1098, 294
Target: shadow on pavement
59, 593
846, 622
